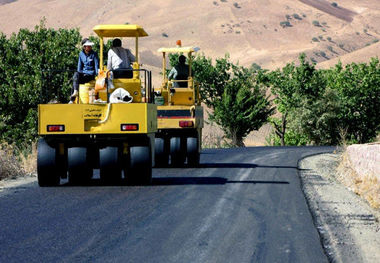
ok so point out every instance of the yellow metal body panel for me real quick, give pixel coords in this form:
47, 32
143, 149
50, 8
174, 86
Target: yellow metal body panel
133, 86
195, 115
182, 96
119, 31
97, 118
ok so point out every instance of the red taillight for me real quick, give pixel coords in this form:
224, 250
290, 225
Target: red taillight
185, 124
129, 127
55, 128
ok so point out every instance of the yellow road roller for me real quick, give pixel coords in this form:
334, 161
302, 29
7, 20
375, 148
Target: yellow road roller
115, 137
179, 113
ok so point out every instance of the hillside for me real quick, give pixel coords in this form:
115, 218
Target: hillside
267, 32
360, 56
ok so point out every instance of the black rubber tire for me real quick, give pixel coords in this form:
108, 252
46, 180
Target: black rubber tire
109, 165
140, 169
161, 155
79, 170
47, 168
193, 154
177, 154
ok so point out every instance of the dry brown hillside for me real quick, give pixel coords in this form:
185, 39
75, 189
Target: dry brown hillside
359, 56
267, 32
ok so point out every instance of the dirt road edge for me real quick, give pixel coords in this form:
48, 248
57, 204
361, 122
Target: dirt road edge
349, 228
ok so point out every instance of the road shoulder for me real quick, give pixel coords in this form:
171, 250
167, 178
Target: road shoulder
349, 228
21, 182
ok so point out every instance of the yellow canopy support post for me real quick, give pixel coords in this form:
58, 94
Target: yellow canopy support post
164, 65
190, 61
101, 54
137, 48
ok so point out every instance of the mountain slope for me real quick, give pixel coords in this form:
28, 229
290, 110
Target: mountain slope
267, 32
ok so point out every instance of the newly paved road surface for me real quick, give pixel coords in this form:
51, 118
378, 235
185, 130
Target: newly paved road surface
241, 205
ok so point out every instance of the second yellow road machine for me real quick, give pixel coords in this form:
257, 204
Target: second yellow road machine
179, 113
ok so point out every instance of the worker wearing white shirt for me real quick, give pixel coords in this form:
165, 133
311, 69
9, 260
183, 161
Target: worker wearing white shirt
120, 58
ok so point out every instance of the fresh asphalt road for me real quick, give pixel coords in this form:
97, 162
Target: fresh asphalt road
241, 205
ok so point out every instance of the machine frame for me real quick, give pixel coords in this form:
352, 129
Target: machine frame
115, 138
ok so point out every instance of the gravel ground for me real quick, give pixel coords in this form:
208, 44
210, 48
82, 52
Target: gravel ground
349, 228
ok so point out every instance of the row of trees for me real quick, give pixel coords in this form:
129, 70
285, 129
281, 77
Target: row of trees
36, 66
320, 107
28, 64
317, 106
326, 106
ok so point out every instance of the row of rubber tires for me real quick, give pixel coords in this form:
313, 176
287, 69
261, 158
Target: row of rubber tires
180, 150
137, 168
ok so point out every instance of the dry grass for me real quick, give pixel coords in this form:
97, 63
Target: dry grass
212, 136
367, 187
13, 165
258, 138
29, 162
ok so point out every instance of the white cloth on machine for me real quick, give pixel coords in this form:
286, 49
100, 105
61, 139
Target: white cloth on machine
120, 95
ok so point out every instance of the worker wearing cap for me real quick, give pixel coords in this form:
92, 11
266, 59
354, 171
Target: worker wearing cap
88, 66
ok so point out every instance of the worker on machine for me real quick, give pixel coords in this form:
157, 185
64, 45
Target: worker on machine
88, 66
180, 72
120, 60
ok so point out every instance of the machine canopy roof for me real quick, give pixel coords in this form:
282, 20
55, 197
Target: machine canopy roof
178, 49
119, 31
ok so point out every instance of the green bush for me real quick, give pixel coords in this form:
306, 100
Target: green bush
323, 54
292, 138
316, 23
255, 66
330, 48
296, 16
358, 89
285, 24
235, 94
318, 104
28, 77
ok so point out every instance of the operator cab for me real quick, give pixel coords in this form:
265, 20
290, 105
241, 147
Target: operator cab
135, 80
182, 90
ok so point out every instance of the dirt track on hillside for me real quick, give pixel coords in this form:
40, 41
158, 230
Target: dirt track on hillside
325, 6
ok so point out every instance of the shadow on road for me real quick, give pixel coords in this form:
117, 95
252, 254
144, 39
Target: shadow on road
206, 181
160, 181
240, 165
227, 165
